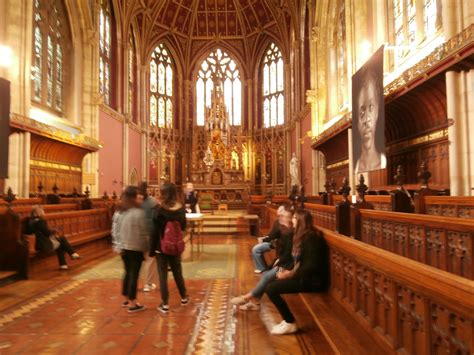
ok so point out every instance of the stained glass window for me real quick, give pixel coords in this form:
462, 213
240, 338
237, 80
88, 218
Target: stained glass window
430, 17
51, 39
221, 64
161, 88
131, 77
273, 87
105, 35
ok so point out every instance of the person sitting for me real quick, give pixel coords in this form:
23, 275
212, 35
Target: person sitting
265, 244
47, 240
251, 300
310, 273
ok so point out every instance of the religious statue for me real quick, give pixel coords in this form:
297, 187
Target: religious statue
217, 145
294, 171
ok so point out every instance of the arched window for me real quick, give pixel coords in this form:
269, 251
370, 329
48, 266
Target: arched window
273, 87
161, 88
105, 50
219, 64
131, 78
51, 45
432, 18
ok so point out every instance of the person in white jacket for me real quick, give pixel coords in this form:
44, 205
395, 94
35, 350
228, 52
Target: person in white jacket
134, 241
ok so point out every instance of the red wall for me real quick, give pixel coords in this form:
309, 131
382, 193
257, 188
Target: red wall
110, 156
134, 153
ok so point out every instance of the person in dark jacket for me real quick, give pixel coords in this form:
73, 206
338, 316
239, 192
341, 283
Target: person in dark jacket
47, 240
310, 273
265, 244
170, 210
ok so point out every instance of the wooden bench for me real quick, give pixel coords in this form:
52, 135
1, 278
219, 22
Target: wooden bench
442, 242
450, 206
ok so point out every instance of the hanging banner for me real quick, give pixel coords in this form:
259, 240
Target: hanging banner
368, 116
4, 126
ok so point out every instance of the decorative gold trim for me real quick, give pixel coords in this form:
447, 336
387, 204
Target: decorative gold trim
28, 124
59, 166
112, 113
338, 164
442, 133
442, 52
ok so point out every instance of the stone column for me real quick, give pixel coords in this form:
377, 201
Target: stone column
19, 164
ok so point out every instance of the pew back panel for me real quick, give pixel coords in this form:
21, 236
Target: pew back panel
450, 206
408, 306
441, 242
380, 202
323, 215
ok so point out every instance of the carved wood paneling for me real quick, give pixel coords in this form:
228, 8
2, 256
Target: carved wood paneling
450, 206
323, 216
444, 243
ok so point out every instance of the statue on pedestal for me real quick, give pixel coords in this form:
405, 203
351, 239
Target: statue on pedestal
294, 171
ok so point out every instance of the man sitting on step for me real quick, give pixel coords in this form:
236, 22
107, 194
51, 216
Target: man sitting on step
265, 244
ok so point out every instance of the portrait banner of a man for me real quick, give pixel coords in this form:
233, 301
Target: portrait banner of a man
368, 116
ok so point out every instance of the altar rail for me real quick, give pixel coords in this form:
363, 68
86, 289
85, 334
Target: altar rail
441, 242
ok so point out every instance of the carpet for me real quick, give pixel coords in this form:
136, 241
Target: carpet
216, 261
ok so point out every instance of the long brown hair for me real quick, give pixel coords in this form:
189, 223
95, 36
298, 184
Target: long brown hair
304, 226
168, 194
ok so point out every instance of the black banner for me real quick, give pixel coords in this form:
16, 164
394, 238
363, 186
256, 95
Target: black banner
368, 116
4, 126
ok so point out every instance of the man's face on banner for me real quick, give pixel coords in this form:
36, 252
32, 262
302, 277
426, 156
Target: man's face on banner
368, 114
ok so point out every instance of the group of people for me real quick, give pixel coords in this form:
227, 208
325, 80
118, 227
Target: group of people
302, 265
139, 226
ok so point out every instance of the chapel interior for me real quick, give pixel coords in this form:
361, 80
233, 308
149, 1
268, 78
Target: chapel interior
251, 102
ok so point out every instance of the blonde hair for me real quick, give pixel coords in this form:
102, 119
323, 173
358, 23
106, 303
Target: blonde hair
37, 211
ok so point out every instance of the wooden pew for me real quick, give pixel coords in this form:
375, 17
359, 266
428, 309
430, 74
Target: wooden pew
450, 206
323, 216
445, 243
13, 251
25, 210
408, 307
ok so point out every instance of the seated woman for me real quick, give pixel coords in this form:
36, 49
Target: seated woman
265, 244
310, 274
284, 261
47, 240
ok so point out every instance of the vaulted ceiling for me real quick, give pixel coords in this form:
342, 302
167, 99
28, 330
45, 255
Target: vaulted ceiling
190, 26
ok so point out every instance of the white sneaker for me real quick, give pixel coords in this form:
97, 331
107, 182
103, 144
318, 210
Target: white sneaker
284, 328
149, 287
63, 267
250, 306
257, 271
75, 256
240, 300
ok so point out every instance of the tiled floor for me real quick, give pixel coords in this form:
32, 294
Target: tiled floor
85, 317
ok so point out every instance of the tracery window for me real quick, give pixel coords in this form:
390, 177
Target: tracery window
273, 87
406, 17
161, 88
105, 50
219, 64
131, 77
51, 38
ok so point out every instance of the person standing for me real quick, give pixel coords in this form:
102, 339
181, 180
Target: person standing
134, 241
190, 199
148, 205
169, 212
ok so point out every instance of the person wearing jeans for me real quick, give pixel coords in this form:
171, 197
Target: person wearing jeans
134, 241
310, 274
266, 244
170, 210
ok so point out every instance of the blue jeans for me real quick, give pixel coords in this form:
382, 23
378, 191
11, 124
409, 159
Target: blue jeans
257, 254
267, 277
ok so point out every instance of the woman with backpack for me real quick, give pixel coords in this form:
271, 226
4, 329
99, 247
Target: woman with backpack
167, 243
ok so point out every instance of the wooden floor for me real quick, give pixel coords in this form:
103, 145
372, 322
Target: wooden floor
320, 332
